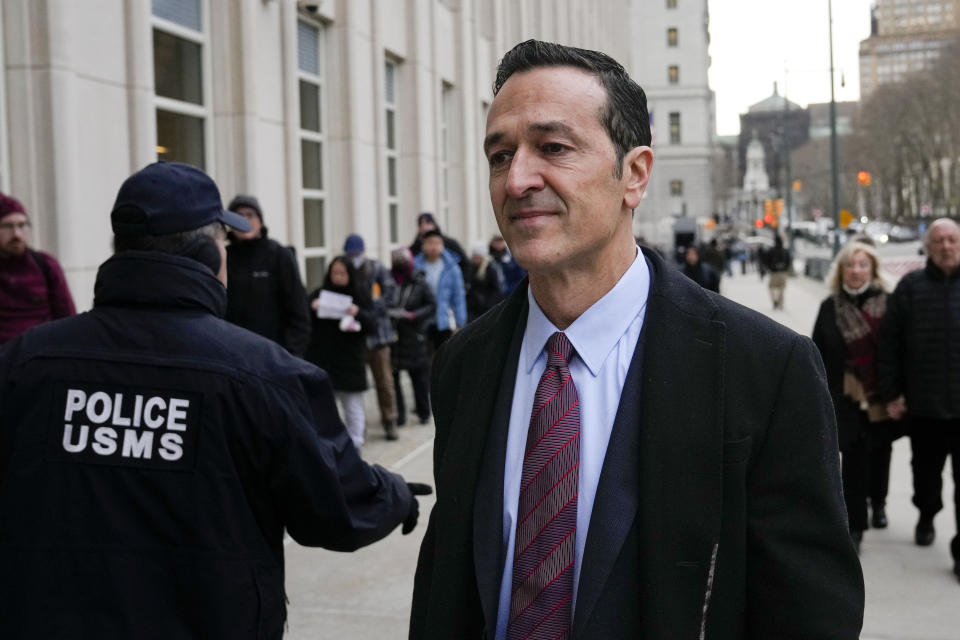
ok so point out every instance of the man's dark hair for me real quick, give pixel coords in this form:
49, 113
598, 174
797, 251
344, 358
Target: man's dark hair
430, 234
199, 244
624, 116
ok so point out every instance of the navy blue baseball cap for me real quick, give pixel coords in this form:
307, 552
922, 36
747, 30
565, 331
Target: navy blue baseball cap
169, 197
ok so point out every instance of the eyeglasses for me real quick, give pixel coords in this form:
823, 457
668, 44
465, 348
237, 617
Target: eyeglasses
14, 226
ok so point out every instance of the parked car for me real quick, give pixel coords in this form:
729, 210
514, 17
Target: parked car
878, 231
900, 233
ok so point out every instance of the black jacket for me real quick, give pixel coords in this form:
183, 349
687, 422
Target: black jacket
341, 353
920, 344
265, 294
416, 297
151, 456
829, 340
483, 287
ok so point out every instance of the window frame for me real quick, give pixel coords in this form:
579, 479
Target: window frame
391, 106
675, 127
673, 37
203, 111
673, 74
322, 195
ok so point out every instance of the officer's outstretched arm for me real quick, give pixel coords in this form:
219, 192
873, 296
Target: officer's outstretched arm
327, 495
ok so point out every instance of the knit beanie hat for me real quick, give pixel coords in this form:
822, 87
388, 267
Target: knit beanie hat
241, 200
10, 205
353, 244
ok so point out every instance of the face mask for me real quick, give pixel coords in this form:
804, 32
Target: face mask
357, 261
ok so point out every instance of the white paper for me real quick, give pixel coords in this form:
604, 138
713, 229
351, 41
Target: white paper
333, 305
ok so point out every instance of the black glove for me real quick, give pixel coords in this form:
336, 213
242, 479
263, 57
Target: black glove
416, 489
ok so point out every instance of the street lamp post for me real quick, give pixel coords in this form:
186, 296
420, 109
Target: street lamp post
834, 169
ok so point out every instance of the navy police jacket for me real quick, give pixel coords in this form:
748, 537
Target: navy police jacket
151, 456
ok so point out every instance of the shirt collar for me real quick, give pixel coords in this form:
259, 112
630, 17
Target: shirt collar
599, 328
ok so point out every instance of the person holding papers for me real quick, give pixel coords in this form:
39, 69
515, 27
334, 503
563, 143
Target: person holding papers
340, 313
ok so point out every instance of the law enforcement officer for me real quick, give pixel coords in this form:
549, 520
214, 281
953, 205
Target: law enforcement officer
152, 454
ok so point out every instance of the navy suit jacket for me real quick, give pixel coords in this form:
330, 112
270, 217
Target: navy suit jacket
719, 511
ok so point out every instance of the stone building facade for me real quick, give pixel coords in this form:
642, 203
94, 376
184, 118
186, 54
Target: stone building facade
906, 36
340, 115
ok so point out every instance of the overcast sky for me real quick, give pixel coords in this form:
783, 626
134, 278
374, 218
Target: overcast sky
756, 42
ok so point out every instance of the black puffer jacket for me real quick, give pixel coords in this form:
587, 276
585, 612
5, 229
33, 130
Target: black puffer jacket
265, 293
151, 457
920, 344
414, 296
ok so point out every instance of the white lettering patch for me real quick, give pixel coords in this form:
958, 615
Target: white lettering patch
150, 428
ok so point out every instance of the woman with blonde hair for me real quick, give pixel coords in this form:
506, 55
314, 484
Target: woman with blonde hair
846, 332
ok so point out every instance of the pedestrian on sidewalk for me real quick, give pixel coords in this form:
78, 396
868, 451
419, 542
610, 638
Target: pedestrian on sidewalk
378, 285
337, 344
443, 274
484, 282
33, 289
699, 271
847, 333
919, 368
266, 293
777, 261
619, 453
412, 308
152, 455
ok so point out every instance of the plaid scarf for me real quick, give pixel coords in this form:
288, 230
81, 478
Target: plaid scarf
858, 319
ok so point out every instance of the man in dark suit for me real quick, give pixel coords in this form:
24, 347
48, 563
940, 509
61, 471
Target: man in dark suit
667, 467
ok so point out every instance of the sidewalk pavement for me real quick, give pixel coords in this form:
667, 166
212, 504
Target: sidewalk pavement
911, 592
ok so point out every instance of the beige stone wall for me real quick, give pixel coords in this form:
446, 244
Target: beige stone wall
79, 109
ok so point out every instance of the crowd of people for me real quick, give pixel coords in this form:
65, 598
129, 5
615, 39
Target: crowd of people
892, 360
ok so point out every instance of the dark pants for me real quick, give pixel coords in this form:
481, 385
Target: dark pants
865, 468
932, 441
421, 394
882, 436
855, 473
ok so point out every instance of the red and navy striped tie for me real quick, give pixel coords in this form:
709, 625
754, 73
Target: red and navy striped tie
541, 599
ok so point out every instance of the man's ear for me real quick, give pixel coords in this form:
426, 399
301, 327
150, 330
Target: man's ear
637, 165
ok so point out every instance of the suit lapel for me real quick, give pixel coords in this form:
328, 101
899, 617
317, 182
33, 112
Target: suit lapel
488, 549
617, 499
662, 473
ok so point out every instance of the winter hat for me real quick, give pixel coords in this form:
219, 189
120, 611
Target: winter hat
353, 244
426, 216
241, 200
10, 205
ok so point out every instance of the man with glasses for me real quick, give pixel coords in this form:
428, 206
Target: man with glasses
33, 288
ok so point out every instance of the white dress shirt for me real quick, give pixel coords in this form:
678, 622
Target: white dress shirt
604, 338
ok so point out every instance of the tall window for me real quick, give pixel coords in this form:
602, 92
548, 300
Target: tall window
673, 74
672, 37
179, 40
674, 127
446, 104
310, 65
392, 148
676, 187
671, 4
